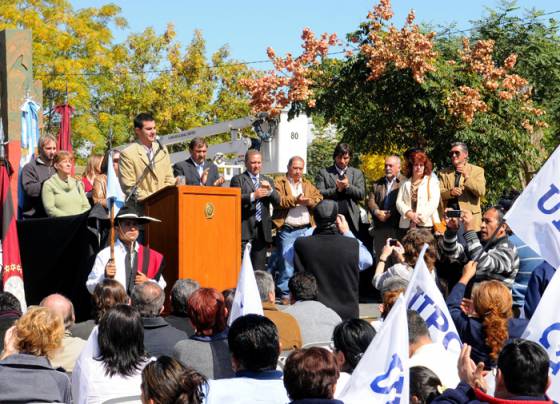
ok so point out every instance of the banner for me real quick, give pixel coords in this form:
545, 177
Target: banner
12, 273
382, 375
544, 328
535, 216
247, 299
423, 296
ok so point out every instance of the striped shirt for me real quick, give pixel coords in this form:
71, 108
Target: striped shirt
500, 261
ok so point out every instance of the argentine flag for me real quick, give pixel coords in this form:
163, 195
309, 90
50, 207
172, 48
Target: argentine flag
115, 195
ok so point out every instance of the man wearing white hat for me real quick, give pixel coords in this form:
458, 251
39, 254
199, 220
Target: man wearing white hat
134, 263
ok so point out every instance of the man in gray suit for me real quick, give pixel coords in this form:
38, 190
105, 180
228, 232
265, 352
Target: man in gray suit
257, 196
195, 169
343, 184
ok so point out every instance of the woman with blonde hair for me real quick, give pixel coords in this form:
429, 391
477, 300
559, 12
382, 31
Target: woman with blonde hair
63, 195
490, 323
26, 374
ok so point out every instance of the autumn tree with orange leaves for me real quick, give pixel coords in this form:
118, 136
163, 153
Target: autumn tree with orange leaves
405, 87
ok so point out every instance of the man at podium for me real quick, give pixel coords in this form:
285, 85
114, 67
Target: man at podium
144, 166
257, 196
133, 263
196, 170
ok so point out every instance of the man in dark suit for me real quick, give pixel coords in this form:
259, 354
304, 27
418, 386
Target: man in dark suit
382, 203
343, 184
257, 195
335, 258
195, 169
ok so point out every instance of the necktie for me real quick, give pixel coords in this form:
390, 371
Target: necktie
129, 270
258, 201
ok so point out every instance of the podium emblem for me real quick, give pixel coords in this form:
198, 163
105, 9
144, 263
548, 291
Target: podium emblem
209, 210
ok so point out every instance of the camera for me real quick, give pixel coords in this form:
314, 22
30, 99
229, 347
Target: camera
393, 242
453, 213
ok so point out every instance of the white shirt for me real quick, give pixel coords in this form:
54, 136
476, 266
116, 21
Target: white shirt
298, 216
97, 273
436, 358
241, 390
90, 384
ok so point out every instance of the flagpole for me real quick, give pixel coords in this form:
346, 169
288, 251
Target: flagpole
112, 239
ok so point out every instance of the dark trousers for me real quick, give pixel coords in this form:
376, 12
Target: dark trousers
258, 249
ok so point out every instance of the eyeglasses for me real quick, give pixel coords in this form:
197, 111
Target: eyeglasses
115, 160
454, 153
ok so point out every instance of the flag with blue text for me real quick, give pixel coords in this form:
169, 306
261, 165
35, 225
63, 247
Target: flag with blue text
382, 375
424, 297
535, 215
544, 328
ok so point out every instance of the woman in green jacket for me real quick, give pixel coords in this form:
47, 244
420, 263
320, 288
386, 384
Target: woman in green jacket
63, 195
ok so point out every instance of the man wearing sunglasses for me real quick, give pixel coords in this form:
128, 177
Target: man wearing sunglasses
463, 185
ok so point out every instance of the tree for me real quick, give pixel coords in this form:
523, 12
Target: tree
108, 84
407, 88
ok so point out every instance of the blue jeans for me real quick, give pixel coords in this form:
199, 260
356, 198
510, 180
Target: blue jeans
286, 238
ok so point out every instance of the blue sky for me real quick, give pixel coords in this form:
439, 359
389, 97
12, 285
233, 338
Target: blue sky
250, 26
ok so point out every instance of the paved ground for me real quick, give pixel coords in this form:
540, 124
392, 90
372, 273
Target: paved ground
369, 311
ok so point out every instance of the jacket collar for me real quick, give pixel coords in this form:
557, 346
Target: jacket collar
482, 396
154, 322
264, 375
27, 360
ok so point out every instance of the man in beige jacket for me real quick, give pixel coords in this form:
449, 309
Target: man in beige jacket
463, 185
146, 157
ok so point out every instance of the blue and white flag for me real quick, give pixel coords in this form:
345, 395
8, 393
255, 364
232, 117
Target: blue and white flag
423, 296
382, 375
247, 299
544, 328
535, 215
29, 139
115, 194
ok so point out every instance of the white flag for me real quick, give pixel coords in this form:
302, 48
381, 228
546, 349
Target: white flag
544, 328
382, 375
115, 194
247, 299
423, 296
535, 215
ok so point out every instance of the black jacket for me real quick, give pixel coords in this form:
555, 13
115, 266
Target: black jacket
188, 170
33, 175
249, 209
160, 337
334, 261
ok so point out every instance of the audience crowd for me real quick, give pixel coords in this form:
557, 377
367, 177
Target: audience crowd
311, 338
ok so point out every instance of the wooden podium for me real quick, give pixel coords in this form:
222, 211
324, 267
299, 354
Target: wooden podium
199, 234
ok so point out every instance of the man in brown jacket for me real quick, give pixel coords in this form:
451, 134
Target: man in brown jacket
463, 185
293, 216
288, 327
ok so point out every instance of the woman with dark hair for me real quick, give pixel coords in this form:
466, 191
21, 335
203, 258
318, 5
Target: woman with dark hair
99, 191
167, 381
310, 376
424, 385
113, 368
418, 197
207, 350
491, 324
106, 294
350, 340
26, 374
